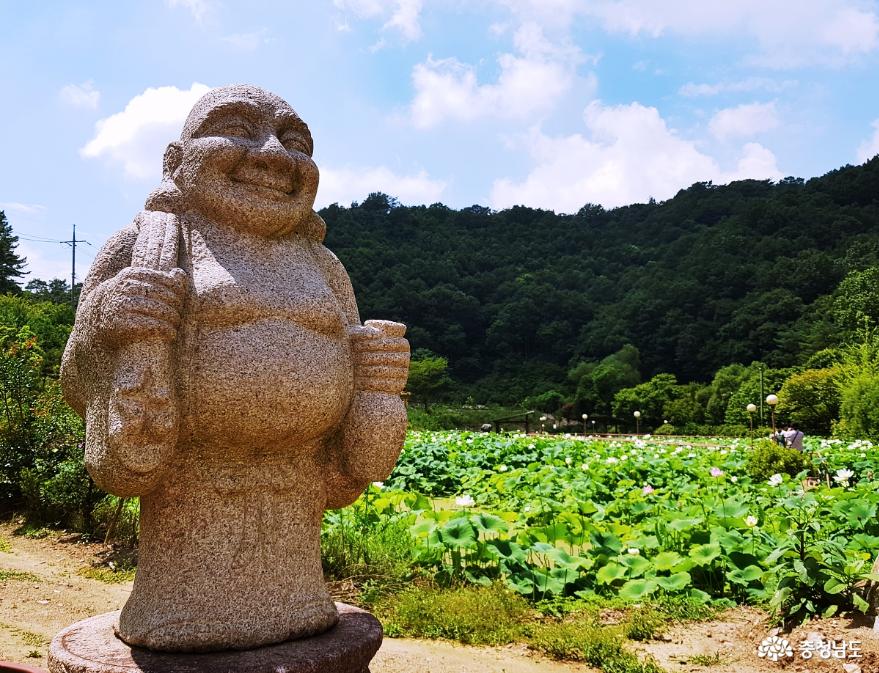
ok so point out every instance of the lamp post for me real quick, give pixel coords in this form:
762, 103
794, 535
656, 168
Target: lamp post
751, 409
543, 424
772, 400
584, 417
637, 415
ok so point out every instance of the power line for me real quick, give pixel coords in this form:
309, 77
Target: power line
38, 239
72, 243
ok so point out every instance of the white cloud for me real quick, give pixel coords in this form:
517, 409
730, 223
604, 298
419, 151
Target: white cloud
83, 95
402, 16
137, 136
692, 89
870, 147
743, 121
548, 13
47, 264
198, 8
344, 185
248, 41
627, 155
529, 83
788, 32
23, 208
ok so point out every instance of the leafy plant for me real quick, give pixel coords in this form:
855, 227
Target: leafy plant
768, 458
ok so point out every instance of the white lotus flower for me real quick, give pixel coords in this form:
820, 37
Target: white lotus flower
633, 551
464, 501
751, 520
843, 475
775, 480
378, 484
611, 460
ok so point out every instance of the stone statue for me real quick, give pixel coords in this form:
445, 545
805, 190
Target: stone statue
225, 378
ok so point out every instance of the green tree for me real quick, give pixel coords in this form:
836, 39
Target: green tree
56, 290
597, 383
11, 265
749, 392
548, 402
650, 398
428, 377
858, 383
810, 400
725, 383
687, 406
856, 300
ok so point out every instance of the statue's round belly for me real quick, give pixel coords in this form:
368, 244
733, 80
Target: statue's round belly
268, 381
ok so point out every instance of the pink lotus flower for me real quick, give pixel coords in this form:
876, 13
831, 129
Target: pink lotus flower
716, 472
647, 490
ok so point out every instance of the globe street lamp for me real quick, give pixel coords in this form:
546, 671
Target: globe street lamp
637, 415
584, 417
772, 400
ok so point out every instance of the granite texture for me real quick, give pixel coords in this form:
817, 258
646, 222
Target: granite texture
225, 378
90, 646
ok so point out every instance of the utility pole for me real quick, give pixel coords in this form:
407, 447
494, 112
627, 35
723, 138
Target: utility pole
761, 394
72, 243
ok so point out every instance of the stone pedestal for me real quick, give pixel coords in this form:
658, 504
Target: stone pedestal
91, 646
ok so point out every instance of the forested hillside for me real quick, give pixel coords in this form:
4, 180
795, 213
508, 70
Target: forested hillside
516, 299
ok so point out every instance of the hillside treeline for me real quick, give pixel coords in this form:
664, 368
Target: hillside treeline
516, 300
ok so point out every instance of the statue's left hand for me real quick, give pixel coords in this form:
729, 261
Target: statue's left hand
381, 356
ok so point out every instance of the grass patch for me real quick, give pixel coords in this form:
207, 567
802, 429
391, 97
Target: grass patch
649, 621
5, 547
706, 659
32, 639
476, 616
34, 654
496, 616
107, 575
27, 637
32, 531
584, 640
6, 574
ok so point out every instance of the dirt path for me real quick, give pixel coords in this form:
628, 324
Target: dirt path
729, 645
51, 595
41, 592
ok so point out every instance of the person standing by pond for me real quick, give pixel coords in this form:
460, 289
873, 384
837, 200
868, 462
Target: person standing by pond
793, 437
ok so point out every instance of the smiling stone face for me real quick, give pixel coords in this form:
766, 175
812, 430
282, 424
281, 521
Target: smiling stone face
244, 160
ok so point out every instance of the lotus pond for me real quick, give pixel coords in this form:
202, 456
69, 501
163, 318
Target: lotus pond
635, 518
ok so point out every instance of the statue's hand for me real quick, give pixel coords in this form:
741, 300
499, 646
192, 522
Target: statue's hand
141, 304
381, 356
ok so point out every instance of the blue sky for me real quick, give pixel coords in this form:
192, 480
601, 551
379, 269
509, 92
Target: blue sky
547, 103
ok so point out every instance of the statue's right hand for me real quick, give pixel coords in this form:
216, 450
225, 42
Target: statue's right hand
141, 304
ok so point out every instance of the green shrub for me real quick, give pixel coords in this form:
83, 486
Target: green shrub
768, 458
122, 515
354, 546
666, 429
859, 409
